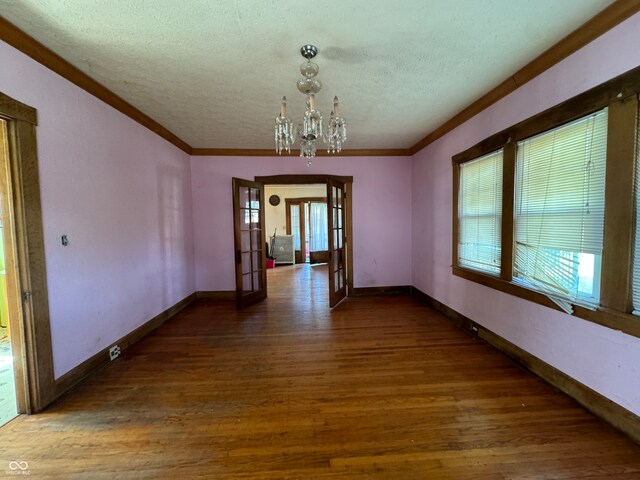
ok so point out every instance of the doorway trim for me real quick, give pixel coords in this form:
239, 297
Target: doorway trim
35, 384
287, 179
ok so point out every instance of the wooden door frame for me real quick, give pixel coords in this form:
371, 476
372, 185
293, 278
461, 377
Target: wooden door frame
35, 382
324, 178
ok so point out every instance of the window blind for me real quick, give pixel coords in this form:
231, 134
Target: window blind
559, 210
480, 213
635, 282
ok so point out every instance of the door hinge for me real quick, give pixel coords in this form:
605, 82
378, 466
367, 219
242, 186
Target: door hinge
26, 296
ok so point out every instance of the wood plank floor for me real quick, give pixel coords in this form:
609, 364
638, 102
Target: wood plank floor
378, 388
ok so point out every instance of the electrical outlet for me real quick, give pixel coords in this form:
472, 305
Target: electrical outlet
114, 352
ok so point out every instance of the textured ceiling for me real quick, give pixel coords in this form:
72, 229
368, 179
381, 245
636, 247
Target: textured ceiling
213, 72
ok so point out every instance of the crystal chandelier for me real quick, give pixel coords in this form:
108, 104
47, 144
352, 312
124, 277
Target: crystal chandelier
334, 134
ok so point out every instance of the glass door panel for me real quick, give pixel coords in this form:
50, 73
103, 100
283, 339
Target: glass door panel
337, 270
249, 239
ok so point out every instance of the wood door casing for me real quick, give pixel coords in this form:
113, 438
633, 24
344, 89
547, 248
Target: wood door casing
249, 241
347, 180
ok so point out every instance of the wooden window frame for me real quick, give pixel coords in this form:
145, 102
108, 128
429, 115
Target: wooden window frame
620, 95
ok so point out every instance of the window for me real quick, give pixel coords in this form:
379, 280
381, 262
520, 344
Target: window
480, 212
549, 209
559, 210
635, 282
318, 237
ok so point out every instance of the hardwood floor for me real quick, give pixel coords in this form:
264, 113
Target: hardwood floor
377, 388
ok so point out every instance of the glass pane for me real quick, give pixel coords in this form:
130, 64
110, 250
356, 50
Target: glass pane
339, 198
255, 256
307, 231
480, 213
335, 196
246, 284
336, 280
245, 243
559, 209
257, 284
245, 219
339, 224
339, 243
335, 239
295, 225
635, 284
244, 197
318, 240
254, 197
255, 240
335, 217
341, 278
336, 260
246, 263
255, 218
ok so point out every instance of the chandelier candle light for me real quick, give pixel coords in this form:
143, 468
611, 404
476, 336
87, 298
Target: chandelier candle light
335, 133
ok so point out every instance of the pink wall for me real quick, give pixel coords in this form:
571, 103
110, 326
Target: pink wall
148, 225
122, 195
608, 361
381, 213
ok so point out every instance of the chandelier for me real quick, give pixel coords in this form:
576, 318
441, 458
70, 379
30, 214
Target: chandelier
334, 134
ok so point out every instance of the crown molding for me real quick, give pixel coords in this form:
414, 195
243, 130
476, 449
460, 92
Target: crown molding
18, 39
255, 152
604, 21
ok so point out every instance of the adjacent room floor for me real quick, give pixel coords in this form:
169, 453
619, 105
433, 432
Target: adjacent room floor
377, 388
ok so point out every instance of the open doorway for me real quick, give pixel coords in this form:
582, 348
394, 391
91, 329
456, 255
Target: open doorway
26, 349
252, 262
8, 397
296, 214
299, 211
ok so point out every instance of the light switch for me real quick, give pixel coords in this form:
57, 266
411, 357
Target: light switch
65, 240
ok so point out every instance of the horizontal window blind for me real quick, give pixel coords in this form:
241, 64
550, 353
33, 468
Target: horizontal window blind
480, 213
559, 210
635, 283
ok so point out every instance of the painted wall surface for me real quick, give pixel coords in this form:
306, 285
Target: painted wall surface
276, 216
608, 361
381, 214
122, 195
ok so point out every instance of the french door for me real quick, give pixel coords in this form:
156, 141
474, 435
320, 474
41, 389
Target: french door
337, 240
249, 240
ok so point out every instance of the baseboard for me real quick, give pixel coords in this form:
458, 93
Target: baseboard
216, 295
74, 376
614, 414
378, 291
